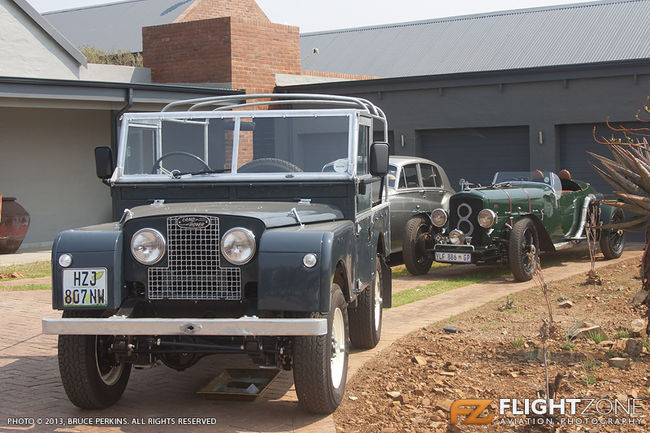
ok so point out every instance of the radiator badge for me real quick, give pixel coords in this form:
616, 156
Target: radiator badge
193, 222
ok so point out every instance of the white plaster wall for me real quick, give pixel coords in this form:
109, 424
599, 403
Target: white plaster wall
47, 162
28, 51
115, 73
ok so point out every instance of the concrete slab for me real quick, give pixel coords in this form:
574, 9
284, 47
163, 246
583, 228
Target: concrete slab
25, 257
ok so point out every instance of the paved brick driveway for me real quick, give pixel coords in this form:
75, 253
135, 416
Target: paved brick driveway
31, 386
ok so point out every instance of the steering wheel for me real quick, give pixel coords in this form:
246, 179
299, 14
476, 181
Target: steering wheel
157, 165
269, 165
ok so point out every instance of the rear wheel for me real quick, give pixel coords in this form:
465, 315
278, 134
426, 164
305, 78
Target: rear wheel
523, 249
365, 319
320, 363
612, 242
92, 377
416, 258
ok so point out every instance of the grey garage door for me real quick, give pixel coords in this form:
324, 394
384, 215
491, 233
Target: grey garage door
475, 154
575, 141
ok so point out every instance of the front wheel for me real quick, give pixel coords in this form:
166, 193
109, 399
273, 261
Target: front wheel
91, 376
523, 249
612, 242
416, 258
365, 319
320, 363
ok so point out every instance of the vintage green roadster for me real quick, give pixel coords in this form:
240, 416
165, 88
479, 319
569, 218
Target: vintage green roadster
511, 221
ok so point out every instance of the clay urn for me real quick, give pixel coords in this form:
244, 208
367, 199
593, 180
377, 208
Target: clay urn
14, 223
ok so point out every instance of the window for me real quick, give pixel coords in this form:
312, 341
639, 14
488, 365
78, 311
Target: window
363, 201
410, 177
430, 176
362, 158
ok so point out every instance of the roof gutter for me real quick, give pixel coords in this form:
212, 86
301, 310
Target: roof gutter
117, 85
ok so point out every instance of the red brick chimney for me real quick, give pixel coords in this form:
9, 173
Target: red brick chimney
230, 42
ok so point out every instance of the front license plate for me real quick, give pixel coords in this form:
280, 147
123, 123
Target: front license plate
84, 287
453, 257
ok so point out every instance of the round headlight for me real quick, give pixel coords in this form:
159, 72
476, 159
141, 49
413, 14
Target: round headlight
487, 218
439, 217
238, 245
148, 246
456, 237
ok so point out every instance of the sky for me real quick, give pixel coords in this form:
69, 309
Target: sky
319, 15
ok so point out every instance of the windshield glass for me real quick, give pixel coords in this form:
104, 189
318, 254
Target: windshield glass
537, 176
234, 144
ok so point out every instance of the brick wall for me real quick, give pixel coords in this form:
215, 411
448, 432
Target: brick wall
189, 52
205, 9
245, 53
259, 51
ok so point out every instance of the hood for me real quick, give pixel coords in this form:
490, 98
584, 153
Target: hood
272, 214
507, 199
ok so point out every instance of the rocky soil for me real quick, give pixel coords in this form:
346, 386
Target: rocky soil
497, 353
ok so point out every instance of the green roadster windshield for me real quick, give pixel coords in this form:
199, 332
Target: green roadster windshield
260, 144
527, 177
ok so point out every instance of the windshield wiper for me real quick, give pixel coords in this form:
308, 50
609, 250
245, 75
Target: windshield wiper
177, 174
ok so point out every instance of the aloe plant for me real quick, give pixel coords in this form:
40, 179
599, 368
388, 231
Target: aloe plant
629, 175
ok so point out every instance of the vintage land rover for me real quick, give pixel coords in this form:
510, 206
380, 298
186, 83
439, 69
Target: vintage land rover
233, 239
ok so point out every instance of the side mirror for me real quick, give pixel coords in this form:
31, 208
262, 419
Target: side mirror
104, 162
379, 159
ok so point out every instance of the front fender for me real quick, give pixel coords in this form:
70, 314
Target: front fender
285, 283
90, 248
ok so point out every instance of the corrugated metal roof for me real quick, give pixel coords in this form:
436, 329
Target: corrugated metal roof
556, 35
115, 26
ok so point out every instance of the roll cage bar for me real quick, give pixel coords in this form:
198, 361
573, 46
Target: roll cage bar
230, 102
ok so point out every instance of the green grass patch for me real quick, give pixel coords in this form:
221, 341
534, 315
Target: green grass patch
10, 288
596, 336
420, 292
622, 334
29, 270
518, 343
400, 271
588, 379
568, 345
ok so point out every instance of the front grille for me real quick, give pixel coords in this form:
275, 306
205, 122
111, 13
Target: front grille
194, 271
463, 216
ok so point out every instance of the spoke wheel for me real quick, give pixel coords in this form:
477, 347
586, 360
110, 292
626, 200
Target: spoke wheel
523, 249
612, 242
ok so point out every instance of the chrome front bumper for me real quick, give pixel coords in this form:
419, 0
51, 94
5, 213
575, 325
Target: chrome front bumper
244, 326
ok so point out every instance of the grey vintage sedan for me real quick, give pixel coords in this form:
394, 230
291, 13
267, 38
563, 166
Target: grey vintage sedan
416, 186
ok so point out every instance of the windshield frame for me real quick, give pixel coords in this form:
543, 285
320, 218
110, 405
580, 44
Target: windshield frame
353, 125
554, 181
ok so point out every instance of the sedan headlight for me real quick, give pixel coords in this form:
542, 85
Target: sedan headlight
439, 217
487, 218
238, 245
148, 246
